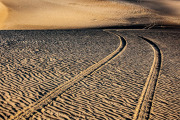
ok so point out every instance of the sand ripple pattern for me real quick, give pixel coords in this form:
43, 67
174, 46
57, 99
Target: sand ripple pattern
133, 85
25, 113
33, 63
109, 93
143, 108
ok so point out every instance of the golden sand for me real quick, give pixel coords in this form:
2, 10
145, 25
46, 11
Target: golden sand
3, 13
60, 14
57, 14
53, 14
89, 74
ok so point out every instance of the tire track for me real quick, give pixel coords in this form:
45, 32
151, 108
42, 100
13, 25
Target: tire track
143, 108
28, 111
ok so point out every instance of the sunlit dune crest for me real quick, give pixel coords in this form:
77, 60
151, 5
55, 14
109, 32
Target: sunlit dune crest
71, 14
3, 14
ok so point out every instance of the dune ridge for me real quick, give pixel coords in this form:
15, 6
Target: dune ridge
74, 14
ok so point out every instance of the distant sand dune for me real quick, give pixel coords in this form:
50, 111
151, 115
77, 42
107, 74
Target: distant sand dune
3, 13
58, 14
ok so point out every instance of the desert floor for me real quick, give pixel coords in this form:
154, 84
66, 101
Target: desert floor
90, 74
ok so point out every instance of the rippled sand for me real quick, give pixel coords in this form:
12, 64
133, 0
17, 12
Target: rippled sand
89, 74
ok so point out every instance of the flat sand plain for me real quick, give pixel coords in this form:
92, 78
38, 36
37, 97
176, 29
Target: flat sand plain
90, 74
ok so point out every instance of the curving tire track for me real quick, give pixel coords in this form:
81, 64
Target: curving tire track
28, 111
143, 108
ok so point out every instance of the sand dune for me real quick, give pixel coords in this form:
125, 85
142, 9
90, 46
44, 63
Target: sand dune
89, 73
58, 14
3, 13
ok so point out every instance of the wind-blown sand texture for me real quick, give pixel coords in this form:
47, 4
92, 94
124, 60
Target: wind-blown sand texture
89, 74
73, 14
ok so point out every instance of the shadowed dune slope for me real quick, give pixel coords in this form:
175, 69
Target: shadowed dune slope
51, 14
72, 14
